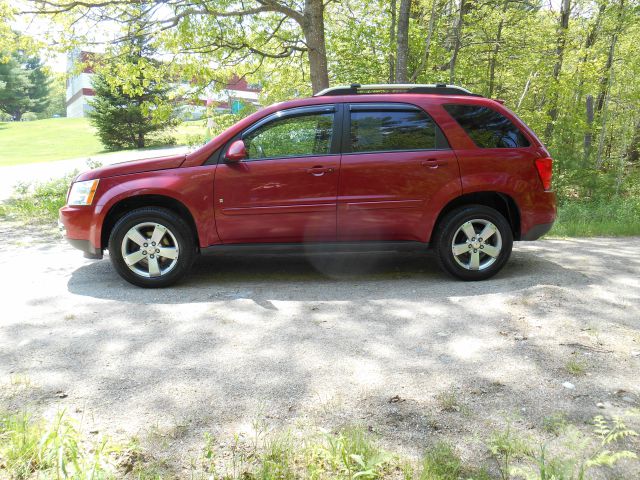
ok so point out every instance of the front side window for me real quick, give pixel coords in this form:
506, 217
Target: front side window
297, 136
486, 127
379, 130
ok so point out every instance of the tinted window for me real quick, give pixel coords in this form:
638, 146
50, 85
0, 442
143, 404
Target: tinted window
486, 127
378, 130
292, 137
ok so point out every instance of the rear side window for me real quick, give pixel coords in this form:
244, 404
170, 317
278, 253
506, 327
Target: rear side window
486, 127
381, 131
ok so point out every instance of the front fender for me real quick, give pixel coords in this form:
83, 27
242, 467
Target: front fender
192, 187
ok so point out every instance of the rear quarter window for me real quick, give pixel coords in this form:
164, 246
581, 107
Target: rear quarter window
487, 127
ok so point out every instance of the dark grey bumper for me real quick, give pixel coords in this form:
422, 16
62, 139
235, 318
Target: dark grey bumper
536, 231
88, 249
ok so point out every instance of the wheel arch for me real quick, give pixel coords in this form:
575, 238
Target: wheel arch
501, 202
125, 205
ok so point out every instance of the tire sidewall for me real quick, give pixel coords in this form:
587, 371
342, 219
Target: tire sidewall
450, 226
165, 217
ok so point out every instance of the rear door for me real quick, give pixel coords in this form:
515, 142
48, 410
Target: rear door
395, 161
286, 190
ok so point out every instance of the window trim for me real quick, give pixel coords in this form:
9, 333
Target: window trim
334, 148
292, 113
390, 107
522, 131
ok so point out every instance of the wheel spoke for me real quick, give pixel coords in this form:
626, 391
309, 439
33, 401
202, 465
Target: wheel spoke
487, 231
134, 257
158, 233
460, 248
135, 236
168, 252
468, 230
474, 264
154, 268
491, 250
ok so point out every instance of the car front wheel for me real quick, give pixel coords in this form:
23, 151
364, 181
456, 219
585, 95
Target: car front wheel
473, 242
151, 247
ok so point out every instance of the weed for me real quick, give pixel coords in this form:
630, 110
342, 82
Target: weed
575, 367
38, 202
555, 424
448, 401
56, 449
506, 447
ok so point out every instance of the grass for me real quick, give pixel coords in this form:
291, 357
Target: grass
37, 202
610, 217
575, 367
47, 140
56, 449
59, 448
65, 138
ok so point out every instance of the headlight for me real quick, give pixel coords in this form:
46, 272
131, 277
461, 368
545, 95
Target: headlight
82, 193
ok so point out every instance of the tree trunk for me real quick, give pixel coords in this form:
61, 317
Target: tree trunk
604, 80
402, 45
588, 136
313, 29
589, 42
563, 26
633, 151
427, 44
496, 49
392, 43
457, 33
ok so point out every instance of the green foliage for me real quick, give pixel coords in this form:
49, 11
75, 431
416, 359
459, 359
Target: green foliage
55, 449
441, 463
132, 92
24, 84
38, 202
128, 120
506, 447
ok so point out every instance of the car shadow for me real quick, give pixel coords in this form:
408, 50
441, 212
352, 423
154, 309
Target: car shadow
321, 277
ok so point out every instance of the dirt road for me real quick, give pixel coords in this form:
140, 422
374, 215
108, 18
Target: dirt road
381, 341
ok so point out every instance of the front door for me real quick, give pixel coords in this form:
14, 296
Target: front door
286, 189
396, 163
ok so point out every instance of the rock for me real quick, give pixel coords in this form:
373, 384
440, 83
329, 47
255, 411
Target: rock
628, 399
568, 385
635, 353
600, 405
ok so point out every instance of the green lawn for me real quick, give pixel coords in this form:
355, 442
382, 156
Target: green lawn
61, 139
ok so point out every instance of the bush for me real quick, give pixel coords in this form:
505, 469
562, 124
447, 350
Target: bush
38, 202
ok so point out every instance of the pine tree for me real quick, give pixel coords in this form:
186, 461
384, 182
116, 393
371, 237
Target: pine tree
128, 109
24, 85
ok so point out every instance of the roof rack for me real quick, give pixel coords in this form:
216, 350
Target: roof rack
356, 88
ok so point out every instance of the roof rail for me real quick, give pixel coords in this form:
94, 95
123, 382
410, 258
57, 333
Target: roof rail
356, 88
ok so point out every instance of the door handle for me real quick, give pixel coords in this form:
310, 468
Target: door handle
319, 170
432, 163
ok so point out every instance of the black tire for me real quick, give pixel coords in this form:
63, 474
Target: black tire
451, 226
178, 232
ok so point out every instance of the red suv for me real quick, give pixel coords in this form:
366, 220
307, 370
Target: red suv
363, 167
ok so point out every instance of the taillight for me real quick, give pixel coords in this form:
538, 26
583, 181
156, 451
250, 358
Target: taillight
545, 171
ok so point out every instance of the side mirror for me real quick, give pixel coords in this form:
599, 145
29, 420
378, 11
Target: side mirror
236, 152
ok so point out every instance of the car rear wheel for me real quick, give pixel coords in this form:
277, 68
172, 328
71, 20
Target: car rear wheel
473, 242
151, 247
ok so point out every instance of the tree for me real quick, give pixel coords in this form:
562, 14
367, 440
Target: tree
225, 30
402, 45
561, 41
131, 94
24, 85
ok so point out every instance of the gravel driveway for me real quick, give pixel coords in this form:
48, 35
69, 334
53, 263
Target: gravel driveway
378, 340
